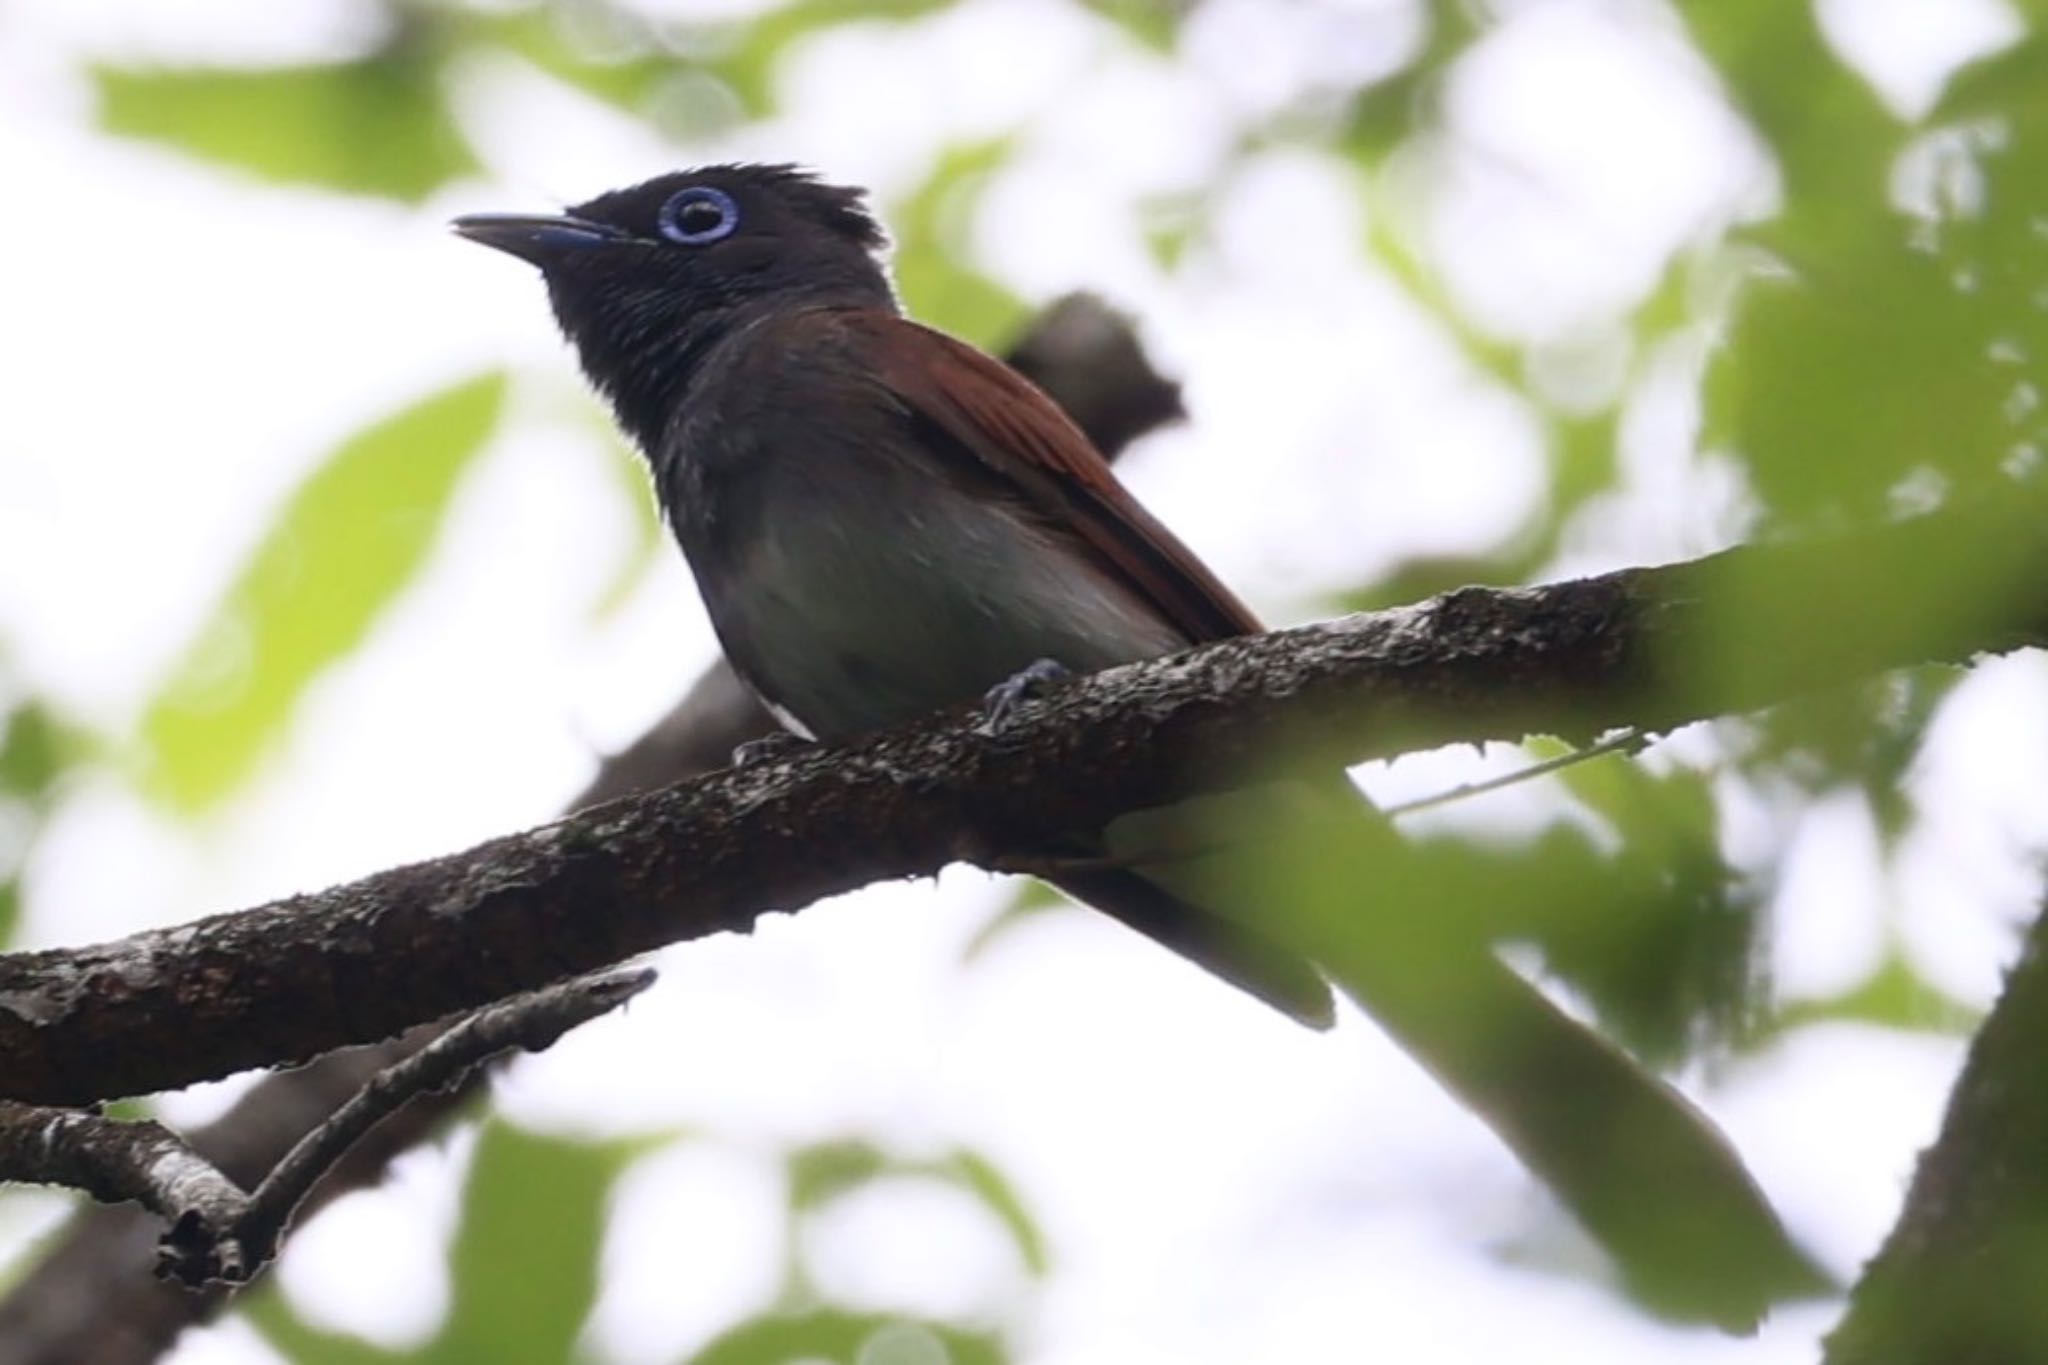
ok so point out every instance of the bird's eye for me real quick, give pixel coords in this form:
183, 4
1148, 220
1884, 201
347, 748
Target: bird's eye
699, 215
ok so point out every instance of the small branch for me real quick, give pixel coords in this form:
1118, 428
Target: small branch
217, 1233
232, 1244
1630, 740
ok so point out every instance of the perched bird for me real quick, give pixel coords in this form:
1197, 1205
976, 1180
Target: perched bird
884, 521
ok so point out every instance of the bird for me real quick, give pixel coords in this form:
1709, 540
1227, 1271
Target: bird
884, 521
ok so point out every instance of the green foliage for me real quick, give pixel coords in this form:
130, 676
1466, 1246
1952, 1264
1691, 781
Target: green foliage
851, 1338
33, 749
377, 126
37, 747
1385, 115
303, 1344
622, 57
1827, 130
383, 124
341, 551
820, 1174
931, 248
599, 49
1894, 996
526, 1255
1154, 24
746, 59
1667, 946
1884, 355
525, 1258
524, 1263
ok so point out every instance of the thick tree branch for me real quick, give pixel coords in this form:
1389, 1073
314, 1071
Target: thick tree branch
1957, 1281
1647, 647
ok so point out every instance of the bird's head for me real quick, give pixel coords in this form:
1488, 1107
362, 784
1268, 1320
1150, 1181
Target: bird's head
644, 278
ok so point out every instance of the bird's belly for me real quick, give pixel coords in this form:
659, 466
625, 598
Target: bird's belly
849, 633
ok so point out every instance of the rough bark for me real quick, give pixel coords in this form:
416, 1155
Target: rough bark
1651, 648
1959, 1279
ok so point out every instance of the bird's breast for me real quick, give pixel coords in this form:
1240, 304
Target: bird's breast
858, 593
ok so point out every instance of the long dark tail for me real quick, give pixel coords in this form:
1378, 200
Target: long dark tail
1280, 977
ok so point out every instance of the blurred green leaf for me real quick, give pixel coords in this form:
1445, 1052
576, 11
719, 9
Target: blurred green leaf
1889, 360
525, 1259
1031, 899
377, 126
932, 247
1583, 464
982, 1176
1871, 379
1417, 275
850, 1338
1830, 133
1884, 362
302, 1343
1155, 24
1385, 114
1669, 948
344, 547
34, 749
1893, 996
1866, 735
1172, 223
747, 59
600, 49
10, 909
823, 1172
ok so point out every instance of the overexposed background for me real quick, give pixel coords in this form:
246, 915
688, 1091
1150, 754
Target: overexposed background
183, 343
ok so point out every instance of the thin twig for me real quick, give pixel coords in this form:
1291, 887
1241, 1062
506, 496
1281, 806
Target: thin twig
529, 1022
217, 1233
1050, 866
232, 1243
1629, 740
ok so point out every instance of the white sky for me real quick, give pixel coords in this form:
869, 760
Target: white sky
182, 345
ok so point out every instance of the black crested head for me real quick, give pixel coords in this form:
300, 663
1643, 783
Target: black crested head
644, 280
774, 200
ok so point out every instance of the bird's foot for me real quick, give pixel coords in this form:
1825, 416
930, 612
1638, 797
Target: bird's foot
772, 747
1027, 684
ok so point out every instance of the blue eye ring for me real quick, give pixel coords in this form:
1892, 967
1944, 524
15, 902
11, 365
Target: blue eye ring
683, 220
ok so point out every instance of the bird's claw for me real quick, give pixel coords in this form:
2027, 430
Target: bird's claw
1027, 684
769, 748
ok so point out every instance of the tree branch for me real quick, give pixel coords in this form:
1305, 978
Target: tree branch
1651, 648
216, 1232
113, 1160
1955, 1283
232, 1241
